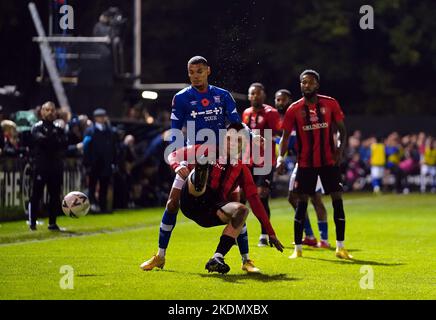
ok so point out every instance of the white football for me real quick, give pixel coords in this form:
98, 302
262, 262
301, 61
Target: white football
75, 204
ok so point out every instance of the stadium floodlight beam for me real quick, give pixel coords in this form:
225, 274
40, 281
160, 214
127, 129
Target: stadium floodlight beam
151, 95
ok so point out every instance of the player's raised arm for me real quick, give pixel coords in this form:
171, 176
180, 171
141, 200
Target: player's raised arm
250, 189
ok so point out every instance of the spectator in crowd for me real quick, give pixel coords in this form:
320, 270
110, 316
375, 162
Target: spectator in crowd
378, 162
428, 165
409, 163
10, 141
135, 114
355, 173
1, 130
75, 138
123, 177
100, 153
394, 152
85, 122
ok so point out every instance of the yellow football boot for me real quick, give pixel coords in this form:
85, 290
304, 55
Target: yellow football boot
296, 254
342, 253
249, 267
154, 262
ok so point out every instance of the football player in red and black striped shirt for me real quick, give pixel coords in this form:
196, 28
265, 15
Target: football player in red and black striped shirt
207, 196
315, 119
262, 117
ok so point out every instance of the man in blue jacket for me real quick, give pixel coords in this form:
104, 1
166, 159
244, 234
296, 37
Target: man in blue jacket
99, 148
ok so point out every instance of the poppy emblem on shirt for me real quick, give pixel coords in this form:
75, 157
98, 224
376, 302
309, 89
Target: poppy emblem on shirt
205, 102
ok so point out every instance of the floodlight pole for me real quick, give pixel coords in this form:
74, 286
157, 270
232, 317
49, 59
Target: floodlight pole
48, 59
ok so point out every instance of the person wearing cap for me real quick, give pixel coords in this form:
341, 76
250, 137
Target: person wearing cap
99, 150
49, 143
315, 118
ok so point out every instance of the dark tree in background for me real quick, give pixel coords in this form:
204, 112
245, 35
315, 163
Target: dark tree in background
388, 70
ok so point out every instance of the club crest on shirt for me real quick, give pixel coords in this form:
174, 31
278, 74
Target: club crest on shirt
313, 116
217, 99
193, 103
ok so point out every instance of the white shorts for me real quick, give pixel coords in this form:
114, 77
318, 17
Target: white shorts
428, 170
377, 172
319, 187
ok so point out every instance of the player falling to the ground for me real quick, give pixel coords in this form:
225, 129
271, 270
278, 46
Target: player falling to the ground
283, 100
209, 107
315, 118
262, 116
208, 195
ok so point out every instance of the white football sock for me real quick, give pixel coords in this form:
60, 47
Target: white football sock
218, 255
161, 252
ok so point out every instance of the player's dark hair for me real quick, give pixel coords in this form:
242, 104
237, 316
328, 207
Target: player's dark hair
198, 60
286, 92
257, 85
310, 71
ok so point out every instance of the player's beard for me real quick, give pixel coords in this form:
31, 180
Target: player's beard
281, 109
310, 95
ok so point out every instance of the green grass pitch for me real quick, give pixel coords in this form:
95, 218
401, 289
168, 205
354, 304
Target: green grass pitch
393, 235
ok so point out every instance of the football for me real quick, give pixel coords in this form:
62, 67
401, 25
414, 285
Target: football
75, 204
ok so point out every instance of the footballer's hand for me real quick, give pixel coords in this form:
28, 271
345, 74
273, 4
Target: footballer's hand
182, 171
273, 241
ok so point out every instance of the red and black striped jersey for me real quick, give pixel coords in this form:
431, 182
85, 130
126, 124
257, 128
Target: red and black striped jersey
314, 125
266, 118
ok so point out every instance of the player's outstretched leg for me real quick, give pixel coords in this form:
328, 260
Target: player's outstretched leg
339, 217
242, 240
166, 227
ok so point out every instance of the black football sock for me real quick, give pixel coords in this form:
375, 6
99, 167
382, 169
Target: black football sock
225, 244
339, 217
300, 216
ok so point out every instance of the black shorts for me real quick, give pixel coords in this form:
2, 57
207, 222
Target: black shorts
263, 180
201, 209
305, 181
